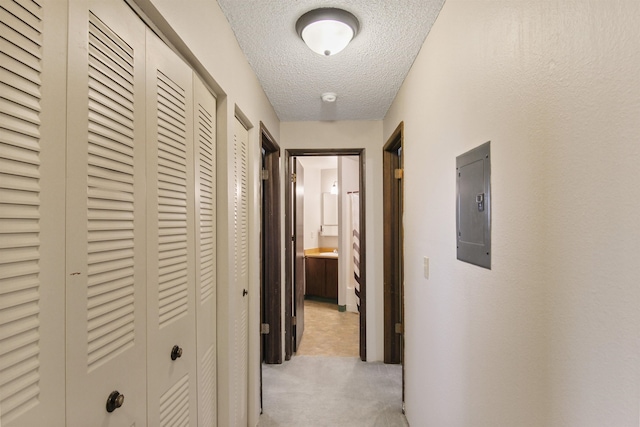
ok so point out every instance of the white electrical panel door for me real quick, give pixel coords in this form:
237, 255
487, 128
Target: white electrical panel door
205, 250
171, 328
105, 234
32, 146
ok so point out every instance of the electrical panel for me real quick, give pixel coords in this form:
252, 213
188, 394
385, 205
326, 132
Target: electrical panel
473, 206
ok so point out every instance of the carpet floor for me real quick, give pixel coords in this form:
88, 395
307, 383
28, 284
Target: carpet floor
321, 389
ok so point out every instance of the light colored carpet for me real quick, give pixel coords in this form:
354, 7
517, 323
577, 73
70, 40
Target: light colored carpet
321, 387
318, 391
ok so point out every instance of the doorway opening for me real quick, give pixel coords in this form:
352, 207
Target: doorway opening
295, 236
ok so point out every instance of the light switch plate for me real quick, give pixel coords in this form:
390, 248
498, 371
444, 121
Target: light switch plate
426, 267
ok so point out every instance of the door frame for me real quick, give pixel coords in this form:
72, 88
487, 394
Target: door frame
393, 243
270, 256
290, 234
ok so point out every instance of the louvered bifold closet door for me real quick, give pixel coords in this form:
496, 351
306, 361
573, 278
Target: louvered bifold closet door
171, 289
32, 144
205, 250
106, 254
240, 299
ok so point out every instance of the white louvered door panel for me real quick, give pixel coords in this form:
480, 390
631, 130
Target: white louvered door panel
240, 339
205, 250
106, 215
32, 143
171, 290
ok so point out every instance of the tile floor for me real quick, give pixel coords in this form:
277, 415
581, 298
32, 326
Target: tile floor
328, 332
328, 388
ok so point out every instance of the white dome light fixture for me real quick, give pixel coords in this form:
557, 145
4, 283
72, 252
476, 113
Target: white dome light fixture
327, 31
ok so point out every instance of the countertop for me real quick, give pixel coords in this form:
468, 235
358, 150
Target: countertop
331, 255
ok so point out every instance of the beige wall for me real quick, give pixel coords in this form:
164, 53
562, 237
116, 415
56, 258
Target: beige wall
549, 335
354, 134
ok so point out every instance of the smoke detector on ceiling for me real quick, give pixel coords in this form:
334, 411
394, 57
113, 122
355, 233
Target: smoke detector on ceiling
329, 97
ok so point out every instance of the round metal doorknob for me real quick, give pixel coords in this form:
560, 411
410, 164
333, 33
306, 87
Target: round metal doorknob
176, 352
114, 401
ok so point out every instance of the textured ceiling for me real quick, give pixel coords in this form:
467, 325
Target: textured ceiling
366, 75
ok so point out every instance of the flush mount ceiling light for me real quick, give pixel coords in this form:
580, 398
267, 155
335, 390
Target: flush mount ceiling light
327, 30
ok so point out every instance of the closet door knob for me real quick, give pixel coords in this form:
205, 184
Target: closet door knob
176, 352
114, 401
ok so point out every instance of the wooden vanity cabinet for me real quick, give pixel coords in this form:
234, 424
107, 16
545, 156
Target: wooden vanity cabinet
321, 275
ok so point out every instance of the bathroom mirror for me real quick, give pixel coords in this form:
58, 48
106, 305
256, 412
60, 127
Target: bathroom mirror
329, 209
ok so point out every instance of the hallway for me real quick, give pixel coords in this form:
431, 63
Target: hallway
322, 386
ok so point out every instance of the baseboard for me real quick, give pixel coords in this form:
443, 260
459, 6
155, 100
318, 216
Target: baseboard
352, 308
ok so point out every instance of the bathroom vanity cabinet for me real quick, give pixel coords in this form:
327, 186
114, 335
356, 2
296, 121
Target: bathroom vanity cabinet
321, 274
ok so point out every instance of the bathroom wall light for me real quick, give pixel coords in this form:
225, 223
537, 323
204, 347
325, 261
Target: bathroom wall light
327, 30
334, 187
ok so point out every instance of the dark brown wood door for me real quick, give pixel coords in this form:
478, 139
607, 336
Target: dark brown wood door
270, 252
393, 248
298, 293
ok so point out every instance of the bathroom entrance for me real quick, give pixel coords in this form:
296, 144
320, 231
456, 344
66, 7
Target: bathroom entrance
324, 225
